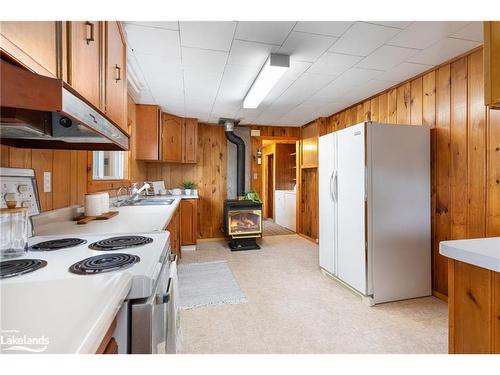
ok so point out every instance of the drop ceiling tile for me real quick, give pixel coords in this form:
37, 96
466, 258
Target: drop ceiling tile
386, 57
305, 86
165, 96
333, 63
200, 84
207, 34
473, 31
274, 32
202, 59
169, 25
396, 24
331, 28
363, 38
160, 70
236, 82
145, 97
403, 71
443, 50
177, 111
306, 47
345, 83
248, 115
250, 53
153, 41
425, 33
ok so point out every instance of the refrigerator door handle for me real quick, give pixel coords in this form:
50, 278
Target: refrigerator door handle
335, 186
332, 196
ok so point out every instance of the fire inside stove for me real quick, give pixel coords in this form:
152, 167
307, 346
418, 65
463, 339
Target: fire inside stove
245, 222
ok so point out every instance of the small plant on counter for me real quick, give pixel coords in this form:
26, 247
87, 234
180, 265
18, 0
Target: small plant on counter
188, 186
253, 196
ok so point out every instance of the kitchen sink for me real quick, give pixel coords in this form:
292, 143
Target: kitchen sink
150, 202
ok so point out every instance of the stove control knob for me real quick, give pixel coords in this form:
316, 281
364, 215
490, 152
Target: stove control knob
22, 188
26, 204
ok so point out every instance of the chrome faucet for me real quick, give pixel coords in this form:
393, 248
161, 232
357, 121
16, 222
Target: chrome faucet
133, 196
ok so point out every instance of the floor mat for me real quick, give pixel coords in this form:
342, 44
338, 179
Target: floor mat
203, 284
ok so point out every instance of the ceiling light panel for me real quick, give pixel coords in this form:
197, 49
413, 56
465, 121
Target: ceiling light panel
273, 69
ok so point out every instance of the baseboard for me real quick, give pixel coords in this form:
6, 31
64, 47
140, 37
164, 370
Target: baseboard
308, 238
441, 296
210, 239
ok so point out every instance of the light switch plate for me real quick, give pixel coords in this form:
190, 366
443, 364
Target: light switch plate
47, 182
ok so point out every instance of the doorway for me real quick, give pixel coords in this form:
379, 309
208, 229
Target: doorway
270, 186
279, 178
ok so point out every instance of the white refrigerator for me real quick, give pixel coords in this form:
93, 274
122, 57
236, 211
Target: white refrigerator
374, 209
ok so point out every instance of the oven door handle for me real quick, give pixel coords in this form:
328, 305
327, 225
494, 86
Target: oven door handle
172, 258
164, 298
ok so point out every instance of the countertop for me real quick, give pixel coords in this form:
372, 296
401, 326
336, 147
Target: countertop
481, 252
130, 219
58, 314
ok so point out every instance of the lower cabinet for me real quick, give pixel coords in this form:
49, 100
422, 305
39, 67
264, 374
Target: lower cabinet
189, 220
108, 344
474, 309
175, 234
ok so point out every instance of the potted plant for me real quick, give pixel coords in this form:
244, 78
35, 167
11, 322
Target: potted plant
188, 187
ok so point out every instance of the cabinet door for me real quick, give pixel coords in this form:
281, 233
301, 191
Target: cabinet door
147, 132
189, 215
35, 45
190, 140
173, 227
116, 80
171, 134
85, 66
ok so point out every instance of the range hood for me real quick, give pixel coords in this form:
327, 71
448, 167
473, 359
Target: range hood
43, 112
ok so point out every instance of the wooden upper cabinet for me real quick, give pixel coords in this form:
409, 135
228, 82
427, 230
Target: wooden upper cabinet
190, 140
84, 65
189, 219
36, 45
172, 130
491, 63
115, 74
147, 136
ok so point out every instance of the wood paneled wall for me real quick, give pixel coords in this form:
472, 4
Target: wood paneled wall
209, 174
465, 141
68, 169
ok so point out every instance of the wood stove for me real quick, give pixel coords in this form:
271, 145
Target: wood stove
242, 223
242, 217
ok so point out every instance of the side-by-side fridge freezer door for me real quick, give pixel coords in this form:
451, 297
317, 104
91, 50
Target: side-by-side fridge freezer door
328, 192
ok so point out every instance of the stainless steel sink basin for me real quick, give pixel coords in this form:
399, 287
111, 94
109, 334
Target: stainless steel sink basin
151, 202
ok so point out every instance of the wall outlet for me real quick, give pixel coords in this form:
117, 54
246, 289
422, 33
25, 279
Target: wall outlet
47, 182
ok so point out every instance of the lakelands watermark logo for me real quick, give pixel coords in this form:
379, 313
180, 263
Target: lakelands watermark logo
15, 341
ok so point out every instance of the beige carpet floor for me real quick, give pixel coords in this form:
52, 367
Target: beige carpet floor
293, 308
270, 228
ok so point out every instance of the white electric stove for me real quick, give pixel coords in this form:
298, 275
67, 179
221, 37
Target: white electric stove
147, 320
144, 271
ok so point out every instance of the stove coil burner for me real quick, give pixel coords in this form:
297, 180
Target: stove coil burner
121, 242
17, 267
104, 263
61, 243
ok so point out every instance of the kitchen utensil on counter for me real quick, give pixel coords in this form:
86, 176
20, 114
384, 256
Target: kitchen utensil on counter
93, 204
14, 229
10, 200
150, 190
176, 191
158, 187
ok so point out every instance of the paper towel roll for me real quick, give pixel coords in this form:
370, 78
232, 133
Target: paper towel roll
93, 204
105, 202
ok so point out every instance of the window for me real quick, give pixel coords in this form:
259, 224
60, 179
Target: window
109, 165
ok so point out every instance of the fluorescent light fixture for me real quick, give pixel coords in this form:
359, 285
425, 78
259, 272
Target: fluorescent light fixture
275, 66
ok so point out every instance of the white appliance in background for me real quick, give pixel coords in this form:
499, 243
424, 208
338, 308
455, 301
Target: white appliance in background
285, 204
374, 210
